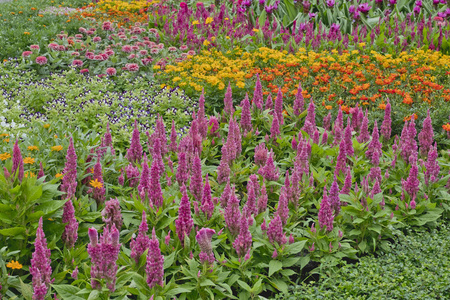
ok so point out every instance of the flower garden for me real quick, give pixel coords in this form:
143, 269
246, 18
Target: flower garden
250, 149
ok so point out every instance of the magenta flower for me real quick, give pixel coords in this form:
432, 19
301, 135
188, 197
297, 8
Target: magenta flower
228, 101
232, 213
279, 106
155, 263
155, 192
17, 162
275, 231
246, 117
69, 181
184, 223
70, 234
99, 192
111, 71
426, 136
111, 214
261, 154
387, 122
133, 175
269, 171
251, 198
226, 194
364, 131
207, 204
325, 213
223, 170
333, 198
182, 172
41, 60
374, 148
269, 102
134, 153
41, 171
299, 102
142, 241
258, 94
432, 166
282, 208
243, 243
196, 179
40, 268
275, 128
144, 182
310, 121
262, 199
203, 238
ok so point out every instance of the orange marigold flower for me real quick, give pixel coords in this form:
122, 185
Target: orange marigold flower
5, 156
33, 148
96, 184
328, 107
57, 148
28, 160
382, 106
14, 265
446, 127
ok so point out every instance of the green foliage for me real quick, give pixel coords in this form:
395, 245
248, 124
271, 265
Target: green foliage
415, 267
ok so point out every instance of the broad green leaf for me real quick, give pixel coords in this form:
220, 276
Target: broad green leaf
274, 266
67, 292
12, 231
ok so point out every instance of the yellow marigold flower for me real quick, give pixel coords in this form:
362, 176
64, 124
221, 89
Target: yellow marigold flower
196, 22
32, 148
29, 173
156, 67
4, 134
28, 160
209, 20
26, 32
255, 30
96, 184
57, 148
6, 140
227, 37
58, 175
240, 84
46, 126
226, 19
5, 156
446, 127
361, 44
14, 265
206, 43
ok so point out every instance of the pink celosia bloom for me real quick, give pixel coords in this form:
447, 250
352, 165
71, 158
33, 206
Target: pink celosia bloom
226, 194
17, 162
269, 171
232, 213
275, 128
223, 170
432, 166
269, 102
374, 148
155, 263
327, 122
207, 205
243, 243
364, 131
275, 231
262, 199
40, 268
69, 181
279, 106
134, 153
182, 171
228, 101
133, 175
155, 192
325, 213
387, 123
258, 94
282, 208
203, 238
104, 254
70, 233
98, 193
251, 199
347, 183
299, 103
340, 161
213, 127
310, 120
333, 198
426, 136
411, 185
111, 214
246, 117
196, 179
26, 53
41, 171
142, 241
184, 223
261, 154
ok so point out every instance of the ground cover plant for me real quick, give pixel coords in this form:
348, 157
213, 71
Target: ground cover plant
231, 150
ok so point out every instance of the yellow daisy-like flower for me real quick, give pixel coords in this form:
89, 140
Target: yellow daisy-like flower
255, 30
58, 175
30, 174
32, 148
14, 265
57, 148
4, 134
96, 184
28, 160
196, 22
46, 126
206, 43
5, 156
209, 20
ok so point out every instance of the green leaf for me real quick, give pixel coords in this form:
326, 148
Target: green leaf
178, 290
67, 292
168, 260
376, 228
94, 295
26, 290
274, 266
12, 231
280, 285
296, 247
207, 282
244, 285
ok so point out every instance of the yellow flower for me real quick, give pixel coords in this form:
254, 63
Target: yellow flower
213, 38
58, 175
226, 19
156, 67
209, 20
227, 37
14, 265
4, 134
28, 160
55, 136
255, 30
31, 148
57, 148
240, 84
206, 43
96, 184
196, 22
5, 156
46, 126
29, 173
361, 44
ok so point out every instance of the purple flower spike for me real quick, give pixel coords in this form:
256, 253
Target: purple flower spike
258, 94
348, 139
111, 214
426, 136
203, 238
99, 192
299, 102
155, 263
432, 166
246, 117
232, 213
144, 183
134, 153
228, 101
142, 241
40, 268
243, 243
364, 131
262, 199
17, 162
387, 123
269, 171
196, 179
184, 223
325, 213
155, 192
275, 128
269, 102
282, 208
275, 231
279, 106
207, 204
333, 198
69, 181
70, 234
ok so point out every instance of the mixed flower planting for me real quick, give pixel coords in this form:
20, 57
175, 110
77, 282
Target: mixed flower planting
166, 150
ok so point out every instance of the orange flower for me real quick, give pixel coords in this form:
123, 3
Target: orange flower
28, 160
328, 107
382, 106
446, 127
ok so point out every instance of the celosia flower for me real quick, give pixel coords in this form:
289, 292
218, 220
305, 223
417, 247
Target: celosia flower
269, 171
133, 175
203, 238
364, 131
69, 181
325, 213
333, 198
155, 263
275, 231
299, 101
282, 208
142, 241
310, 120
17, 162
184, 223
213, 127
374, 148
386, 125
41, 60
251, 198
40, 268
261, 154
348, 139
207, 205
196, 179
243, 243
262, 199
426, 136
275, 128
246, 117
278, 110
228, 101
269, 102
111, 214
223, 170
70, 233
99, 191
432, 166
134, 153
258, 94
232, 213
104, 256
